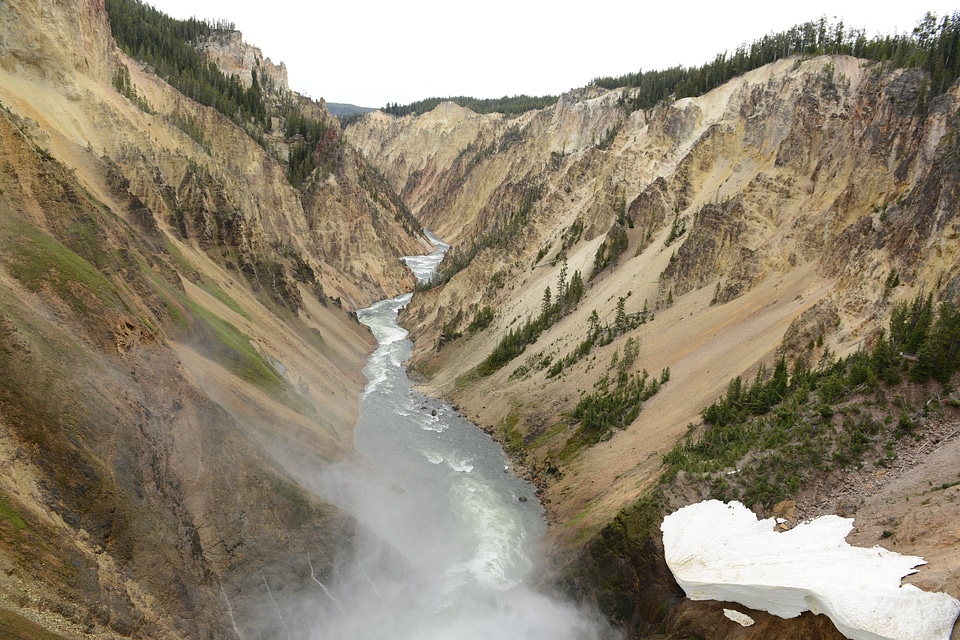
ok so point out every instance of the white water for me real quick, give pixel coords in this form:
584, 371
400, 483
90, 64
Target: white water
449, 542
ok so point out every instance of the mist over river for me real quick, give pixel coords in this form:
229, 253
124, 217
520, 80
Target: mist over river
451, 530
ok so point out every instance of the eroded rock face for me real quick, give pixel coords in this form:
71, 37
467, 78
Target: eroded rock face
782, 167
127, 488
176, 344
64, 38
234, 56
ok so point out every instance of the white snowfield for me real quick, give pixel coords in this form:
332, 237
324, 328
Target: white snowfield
720, 551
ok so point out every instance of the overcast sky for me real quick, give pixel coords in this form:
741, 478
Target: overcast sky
371, 52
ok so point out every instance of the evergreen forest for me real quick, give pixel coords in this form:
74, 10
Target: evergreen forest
169, 46
507, 105
933, 45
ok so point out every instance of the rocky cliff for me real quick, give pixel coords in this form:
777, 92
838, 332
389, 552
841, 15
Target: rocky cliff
234, 56
784, 213
177, 342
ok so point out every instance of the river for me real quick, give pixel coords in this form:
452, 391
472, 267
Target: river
450, 529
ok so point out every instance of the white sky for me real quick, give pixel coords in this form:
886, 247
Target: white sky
371, 52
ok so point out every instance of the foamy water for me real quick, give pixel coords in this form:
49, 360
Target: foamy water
423, 267
450, 533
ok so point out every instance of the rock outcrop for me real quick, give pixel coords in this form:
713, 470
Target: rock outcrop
234, 56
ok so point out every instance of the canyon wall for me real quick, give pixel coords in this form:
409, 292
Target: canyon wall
784, 213
178, 343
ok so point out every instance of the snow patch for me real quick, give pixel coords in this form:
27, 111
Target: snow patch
722, 552
741, 619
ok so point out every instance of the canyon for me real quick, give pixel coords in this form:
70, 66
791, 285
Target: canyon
800, 186
180, 348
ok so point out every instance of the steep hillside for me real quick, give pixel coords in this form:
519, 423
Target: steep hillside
177, 342
785, 213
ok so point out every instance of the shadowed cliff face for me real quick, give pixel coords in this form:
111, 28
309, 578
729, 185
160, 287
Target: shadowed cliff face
126, 489
770, 214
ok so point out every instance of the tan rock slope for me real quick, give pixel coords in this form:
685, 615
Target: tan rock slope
177, 343
764, 217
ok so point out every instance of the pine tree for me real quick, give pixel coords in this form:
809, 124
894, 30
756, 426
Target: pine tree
545, 307
562, 282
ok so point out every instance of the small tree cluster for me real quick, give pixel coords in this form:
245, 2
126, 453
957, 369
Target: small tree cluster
124, 86
677, 229
932, 335
600, 336
780, 430
570, 236
610, 250
481, 320
615, 403
304, 135
516, 341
